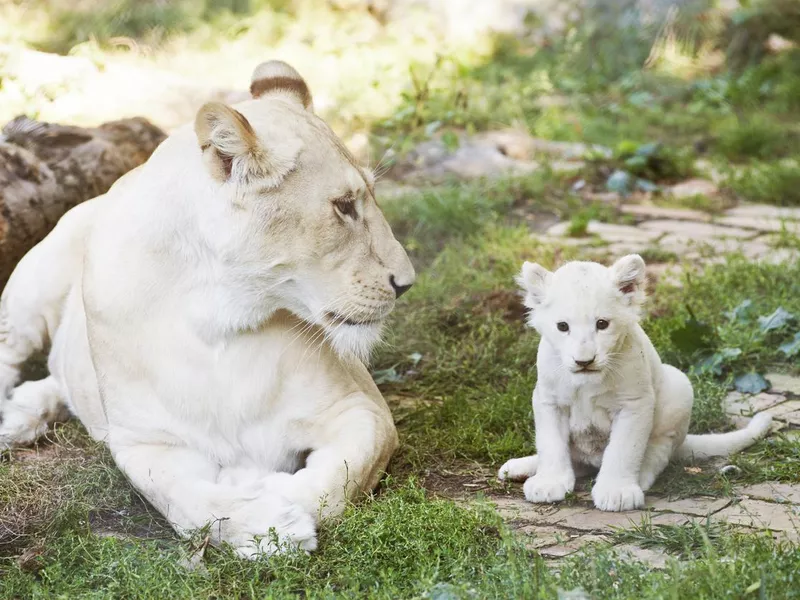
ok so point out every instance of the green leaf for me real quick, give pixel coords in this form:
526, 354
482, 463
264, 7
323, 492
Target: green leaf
791, 348
751, 383
648, 150
619, 182
389, 375
451, 141
693, 337
741, 312
780, 318
715, 362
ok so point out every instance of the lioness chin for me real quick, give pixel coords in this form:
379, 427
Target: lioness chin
603, 399
208, 318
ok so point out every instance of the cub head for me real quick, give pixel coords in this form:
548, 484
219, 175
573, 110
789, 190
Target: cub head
584, 310
295, 220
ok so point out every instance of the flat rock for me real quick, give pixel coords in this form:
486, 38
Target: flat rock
693, 187
695, 230
538, 536
784, 383
761, 224
663, 212
598, 520
572, 546
608, 231
699, 506
764, 211
654, 557
520, 145
773, 491
762, 515
737, 403
786, 411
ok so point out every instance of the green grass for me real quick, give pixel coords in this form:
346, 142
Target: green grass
87, 534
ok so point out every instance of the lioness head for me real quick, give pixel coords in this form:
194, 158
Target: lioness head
300, 228
584, 310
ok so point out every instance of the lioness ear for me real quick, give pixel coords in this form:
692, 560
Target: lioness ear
533, 279
233, 152
275, 77
628, 275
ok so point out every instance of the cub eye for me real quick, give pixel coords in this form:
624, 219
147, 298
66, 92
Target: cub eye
602, 324
346, 207
562, 326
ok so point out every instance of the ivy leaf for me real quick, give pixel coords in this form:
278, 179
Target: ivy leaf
741, 312
751, 383
389, 375
776, 320
713, 364
648, 150
620, 182
693, 337
791, 348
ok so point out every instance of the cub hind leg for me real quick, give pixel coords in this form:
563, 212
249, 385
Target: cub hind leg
670, 424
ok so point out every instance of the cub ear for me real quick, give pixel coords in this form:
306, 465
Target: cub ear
533, 279
275, 77
628, 276
233, 152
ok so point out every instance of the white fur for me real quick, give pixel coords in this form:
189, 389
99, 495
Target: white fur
629, 415
197, 326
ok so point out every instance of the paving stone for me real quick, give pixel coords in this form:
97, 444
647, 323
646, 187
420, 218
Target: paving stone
663, 212
785, 411
518, 509
572, 546
699, 507
622, 248
695, 230
737, 403
693, 187
774, 491
654, 557
699, 247
764, 211
569, 241
761, 224
597, 520
566, 166
792, 418
762, 515
537, 536
609, 232
604, 197
672, 519
784, 383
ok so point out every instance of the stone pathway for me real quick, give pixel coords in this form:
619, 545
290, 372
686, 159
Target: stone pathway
559, 530
691, 235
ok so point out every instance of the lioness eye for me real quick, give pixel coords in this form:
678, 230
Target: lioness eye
346, 207
562, 326
602, 324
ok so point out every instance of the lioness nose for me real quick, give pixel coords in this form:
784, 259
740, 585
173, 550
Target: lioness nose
584, 363
399, 290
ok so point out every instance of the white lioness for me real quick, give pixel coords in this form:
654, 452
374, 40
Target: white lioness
603, 399
208, 316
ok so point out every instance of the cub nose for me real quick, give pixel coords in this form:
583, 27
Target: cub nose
584, 363
399, 290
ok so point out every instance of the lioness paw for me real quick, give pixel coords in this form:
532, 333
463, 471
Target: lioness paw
617, 497
273, 531
546, 489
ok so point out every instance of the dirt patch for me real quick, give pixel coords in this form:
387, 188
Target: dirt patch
459, 484
506, 303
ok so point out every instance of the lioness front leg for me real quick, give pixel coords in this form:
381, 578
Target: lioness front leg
183, 485
554, 477
354, 446
617, 487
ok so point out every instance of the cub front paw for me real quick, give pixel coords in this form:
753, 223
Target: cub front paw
546, 489
617, 497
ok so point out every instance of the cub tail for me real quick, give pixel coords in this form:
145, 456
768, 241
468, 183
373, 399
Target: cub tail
722, 444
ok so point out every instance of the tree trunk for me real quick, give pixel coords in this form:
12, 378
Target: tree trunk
46, 169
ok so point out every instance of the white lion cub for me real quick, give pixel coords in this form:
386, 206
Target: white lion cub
603, 399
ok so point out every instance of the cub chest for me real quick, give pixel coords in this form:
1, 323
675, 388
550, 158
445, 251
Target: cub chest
589, 431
